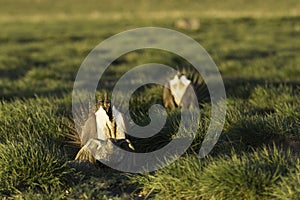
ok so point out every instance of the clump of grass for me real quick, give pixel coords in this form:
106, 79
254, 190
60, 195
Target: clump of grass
288, 188
269, 97
235, 176
249, 126
33, 195
31, 153
31, 118
249, 176
179, 180
257, 130
31, 164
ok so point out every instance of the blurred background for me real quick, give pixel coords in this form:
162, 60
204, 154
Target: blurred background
44, 42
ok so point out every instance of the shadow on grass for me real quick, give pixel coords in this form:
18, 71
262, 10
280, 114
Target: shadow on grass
242, 88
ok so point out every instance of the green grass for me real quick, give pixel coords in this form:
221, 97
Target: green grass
253, 175
288, 187
30, 139
249, 176
256, 47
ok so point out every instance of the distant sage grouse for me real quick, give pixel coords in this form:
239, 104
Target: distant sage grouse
178, 92
97, 129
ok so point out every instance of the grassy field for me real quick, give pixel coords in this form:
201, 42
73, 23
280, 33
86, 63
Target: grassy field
256, 47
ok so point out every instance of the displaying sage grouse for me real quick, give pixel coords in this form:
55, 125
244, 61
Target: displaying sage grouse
178, 92
97, 130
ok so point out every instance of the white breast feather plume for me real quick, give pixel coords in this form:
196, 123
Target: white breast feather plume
178, 91
98, 132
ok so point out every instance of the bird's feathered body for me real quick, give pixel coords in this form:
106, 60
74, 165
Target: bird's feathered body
98, 131
179, 91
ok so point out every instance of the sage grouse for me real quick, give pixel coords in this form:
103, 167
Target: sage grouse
98, 131
178, 92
